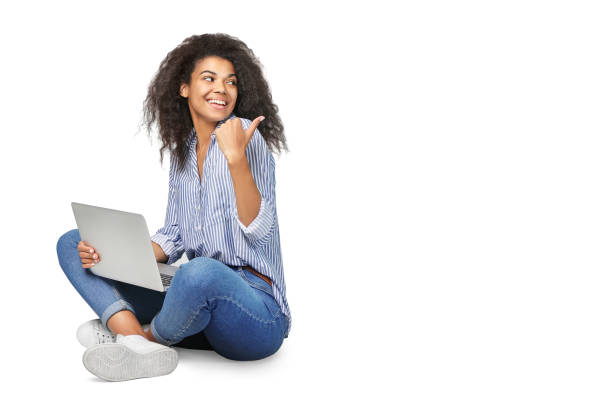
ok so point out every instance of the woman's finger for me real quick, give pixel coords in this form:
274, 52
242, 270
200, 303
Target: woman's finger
87, 255
89, 258
83, 247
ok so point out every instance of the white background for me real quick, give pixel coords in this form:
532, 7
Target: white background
444, 208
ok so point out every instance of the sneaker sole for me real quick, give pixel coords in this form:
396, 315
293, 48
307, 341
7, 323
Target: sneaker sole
116, 362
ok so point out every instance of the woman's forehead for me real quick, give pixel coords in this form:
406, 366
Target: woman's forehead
215, 64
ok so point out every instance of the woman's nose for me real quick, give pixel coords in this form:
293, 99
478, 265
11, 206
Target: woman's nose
219, 88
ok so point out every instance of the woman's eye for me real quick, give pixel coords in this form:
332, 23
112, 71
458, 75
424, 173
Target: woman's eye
210, 79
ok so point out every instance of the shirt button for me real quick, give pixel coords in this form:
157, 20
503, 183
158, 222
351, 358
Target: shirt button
198, 207
197, 227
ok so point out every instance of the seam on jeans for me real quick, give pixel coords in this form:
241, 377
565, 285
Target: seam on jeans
123, 306
188, 323
159, 339
257, 286
277, 314
229, 299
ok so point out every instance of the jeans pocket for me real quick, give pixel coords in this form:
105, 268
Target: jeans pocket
272, 306
256, 282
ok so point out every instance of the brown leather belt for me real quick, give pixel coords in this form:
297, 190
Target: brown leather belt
262, 276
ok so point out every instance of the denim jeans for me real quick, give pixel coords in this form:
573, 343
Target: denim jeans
208, 304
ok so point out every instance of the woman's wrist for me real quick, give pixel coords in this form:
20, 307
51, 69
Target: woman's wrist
160, 256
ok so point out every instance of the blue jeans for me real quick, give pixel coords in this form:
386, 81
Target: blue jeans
232, 310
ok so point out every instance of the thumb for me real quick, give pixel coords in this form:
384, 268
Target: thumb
251, 130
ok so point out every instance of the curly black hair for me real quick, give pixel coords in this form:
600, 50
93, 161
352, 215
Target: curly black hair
165, 105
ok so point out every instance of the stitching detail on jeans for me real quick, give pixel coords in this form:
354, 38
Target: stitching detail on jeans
125, 304
255, 284
157, 336
229, 299
277, 314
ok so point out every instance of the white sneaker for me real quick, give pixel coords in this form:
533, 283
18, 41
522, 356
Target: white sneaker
130, 357
93, 332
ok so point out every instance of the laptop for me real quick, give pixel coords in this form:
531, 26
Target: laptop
122, 240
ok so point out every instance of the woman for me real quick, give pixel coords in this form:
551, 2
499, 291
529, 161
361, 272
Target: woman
221, 212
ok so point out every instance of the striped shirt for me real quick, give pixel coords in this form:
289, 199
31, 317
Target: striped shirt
202, 218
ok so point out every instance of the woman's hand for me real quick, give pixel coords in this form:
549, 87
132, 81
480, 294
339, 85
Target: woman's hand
88, 255
233, 140
160, 256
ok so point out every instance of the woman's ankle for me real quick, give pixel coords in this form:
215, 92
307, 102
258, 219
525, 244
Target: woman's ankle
125, 323
149, 335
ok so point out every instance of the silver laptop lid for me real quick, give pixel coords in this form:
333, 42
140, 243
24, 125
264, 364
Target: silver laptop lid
123, 242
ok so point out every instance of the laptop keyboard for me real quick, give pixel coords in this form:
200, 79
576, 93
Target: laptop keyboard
166, 279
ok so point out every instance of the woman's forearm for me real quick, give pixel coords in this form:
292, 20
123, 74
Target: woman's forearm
248, 198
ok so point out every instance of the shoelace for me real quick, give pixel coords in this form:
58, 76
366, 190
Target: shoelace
105, 338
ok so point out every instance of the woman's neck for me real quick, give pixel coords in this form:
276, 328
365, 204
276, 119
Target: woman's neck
204, 129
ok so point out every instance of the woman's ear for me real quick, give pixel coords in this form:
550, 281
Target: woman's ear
184, 91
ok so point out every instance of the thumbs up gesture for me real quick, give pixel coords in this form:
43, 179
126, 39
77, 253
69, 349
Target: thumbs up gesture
233, 140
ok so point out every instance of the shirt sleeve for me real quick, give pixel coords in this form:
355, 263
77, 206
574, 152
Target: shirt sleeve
169, 237
262, 167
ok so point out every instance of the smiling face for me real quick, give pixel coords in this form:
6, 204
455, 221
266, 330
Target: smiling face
213, 91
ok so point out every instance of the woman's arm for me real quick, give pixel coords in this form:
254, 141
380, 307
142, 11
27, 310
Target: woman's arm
160, 256
257, 222
248, 198
168, 238
234, 138
251, 166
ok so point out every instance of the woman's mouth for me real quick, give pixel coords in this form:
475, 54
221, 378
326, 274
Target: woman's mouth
217, 104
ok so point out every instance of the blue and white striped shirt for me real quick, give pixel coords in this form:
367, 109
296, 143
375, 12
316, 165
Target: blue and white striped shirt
202, 218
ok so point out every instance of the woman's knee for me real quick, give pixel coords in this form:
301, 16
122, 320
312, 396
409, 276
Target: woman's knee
69, 240
66, 246
201, 273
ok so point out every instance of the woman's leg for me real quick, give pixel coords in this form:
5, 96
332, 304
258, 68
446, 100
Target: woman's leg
128, 305
237, 311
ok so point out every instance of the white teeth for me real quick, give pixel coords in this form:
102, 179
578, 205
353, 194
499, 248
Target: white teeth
213, 101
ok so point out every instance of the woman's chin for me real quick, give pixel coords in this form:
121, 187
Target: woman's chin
215, 117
